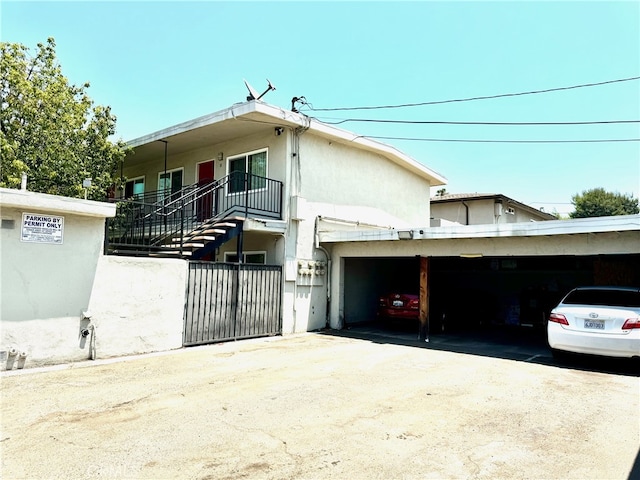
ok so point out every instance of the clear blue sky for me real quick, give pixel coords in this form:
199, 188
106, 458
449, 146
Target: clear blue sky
161, 63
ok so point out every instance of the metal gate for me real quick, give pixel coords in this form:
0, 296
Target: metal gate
230, 301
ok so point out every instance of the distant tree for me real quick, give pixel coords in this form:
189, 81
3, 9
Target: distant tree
597, 202
51, 130
441, 192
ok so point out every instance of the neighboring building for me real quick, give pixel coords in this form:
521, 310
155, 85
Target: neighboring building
481, 209
255, 182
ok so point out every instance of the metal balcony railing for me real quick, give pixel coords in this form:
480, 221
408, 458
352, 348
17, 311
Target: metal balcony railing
145, 223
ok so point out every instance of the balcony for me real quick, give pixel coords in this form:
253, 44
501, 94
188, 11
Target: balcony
192, 221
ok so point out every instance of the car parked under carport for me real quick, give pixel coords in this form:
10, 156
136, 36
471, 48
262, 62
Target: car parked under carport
475, 295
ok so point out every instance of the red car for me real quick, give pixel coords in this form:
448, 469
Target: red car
404, 306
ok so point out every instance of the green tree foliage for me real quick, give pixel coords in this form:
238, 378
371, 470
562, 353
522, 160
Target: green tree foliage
597, 202
51, 130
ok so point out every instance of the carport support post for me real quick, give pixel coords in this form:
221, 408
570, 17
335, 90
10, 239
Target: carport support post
423, 334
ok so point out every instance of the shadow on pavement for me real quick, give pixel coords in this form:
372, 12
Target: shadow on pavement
634, 474
524, 345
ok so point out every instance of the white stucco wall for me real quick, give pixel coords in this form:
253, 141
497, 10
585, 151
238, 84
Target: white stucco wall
42, 280
337, 174
136, 305
340, 183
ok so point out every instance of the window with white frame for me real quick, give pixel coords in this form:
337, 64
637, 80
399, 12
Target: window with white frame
134, 187
250, 168
247, 257
169, 182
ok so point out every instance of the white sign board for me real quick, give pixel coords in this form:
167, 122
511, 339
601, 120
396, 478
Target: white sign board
40, 228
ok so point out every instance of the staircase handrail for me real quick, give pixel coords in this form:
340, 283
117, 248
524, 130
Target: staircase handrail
151, 224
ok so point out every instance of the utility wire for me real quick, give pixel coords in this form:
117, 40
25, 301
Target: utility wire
470, 99
438, 122
501, 141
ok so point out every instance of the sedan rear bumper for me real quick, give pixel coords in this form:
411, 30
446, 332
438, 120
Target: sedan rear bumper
610, 345
398, 313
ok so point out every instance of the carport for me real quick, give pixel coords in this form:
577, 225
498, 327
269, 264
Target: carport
479, 277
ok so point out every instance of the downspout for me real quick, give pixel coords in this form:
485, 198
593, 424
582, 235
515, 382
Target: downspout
294, 190
164, 200
165, 158
466, 221
328, 273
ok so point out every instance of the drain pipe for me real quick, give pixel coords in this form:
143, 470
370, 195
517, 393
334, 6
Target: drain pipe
92, 342
328, 274
466, 222
89, 331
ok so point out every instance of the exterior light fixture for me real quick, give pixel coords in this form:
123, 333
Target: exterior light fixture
470, 255
405, 234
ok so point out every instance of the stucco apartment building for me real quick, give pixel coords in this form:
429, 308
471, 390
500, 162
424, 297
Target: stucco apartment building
256, 206
286, 176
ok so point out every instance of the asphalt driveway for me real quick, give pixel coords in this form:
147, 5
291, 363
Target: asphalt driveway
318, 406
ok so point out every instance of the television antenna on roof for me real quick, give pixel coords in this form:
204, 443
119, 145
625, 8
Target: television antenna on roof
253, 95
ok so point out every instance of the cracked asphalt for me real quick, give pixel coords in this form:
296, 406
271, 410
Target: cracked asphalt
316, 406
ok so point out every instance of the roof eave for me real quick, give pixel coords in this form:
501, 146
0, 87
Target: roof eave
623, 223
273, 115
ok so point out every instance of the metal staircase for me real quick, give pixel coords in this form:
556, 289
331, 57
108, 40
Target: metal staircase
193, 221
204, 239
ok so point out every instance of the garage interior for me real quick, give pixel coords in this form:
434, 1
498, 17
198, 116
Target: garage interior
474, 296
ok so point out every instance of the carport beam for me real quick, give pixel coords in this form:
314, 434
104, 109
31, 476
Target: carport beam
424, 299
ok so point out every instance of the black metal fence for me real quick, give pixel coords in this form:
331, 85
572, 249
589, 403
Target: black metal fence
144, 223
229, 301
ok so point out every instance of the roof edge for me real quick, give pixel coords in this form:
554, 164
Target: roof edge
294, 120
452, 198
25, 199
620, 223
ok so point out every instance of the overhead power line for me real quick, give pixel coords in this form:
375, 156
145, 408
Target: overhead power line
459, 140
470, 99
440, 122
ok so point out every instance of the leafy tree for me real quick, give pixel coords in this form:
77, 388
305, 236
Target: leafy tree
597, 202
51, 130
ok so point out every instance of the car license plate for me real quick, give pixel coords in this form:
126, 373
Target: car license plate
397, 303
594, 324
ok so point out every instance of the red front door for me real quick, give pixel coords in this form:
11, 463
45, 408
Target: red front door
205, 204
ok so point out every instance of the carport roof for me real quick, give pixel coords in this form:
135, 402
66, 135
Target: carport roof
623, 223
247, 118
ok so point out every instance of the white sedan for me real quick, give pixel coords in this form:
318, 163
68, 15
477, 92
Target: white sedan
598, 321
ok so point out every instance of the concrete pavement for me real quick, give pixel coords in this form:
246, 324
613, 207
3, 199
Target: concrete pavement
318, 406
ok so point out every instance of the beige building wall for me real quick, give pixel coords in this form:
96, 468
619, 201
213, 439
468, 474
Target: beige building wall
276, 159
481, 212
